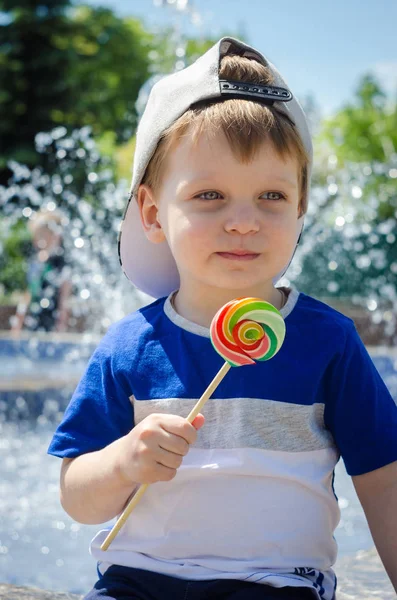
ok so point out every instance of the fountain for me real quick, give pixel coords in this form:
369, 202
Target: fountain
40, 545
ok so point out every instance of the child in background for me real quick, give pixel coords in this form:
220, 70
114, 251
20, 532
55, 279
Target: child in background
242, 505
45, 304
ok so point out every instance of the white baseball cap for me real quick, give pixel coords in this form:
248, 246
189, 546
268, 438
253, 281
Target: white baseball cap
151, 267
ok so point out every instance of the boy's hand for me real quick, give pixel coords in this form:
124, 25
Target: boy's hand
155, 448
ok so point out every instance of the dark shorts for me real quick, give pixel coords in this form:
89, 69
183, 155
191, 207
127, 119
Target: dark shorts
125, 583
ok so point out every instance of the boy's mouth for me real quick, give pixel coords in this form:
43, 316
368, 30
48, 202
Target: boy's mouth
238, 255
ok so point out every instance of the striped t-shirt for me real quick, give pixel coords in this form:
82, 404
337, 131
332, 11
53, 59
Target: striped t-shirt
253, 498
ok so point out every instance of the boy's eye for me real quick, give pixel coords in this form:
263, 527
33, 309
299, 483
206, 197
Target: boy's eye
211, 195
274, 195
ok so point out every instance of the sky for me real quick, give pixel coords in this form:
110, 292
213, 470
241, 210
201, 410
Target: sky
321, 47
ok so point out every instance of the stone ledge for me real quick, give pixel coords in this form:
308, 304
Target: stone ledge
14, 592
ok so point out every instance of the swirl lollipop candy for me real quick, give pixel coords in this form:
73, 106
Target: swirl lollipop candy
243, 331
246, 330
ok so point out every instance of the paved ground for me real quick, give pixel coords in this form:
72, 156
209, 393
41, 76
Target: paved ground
362, 577
13, 592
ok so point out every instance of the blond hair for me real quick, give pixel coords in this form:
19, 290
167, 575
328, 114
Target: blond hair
245, 123
52, 220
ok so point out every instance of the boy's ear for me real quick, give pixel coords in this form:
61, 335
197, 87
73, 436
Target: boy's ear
149, 214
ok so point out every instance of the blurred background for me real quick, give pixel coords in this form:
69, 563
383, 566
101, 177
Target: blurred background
74, 79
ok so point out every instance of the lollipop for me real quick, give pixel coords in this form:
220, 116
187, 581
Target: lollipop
243, 331
246, 330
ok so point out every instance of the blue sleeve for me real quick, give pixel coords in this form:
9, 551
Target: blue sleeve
100, 410
359, 411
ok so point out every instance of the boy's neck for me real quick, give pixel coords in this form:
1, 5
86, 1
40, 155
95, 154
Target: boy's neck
200, 306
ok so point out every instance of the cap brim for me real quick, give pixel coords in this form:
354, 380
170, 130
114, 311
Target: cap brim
151, 267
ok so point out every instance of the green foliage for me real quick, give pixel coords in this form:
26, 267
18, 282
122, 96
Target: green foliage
33, 74
70, 67
111, 65
366, 129
365, 132
15, 245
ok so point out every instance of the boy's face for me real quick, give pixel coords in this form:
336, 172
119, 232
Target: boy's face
229, 225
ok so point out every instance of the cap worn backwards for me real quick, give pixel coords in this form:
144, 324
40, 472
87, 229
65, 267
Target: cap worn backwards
151, 267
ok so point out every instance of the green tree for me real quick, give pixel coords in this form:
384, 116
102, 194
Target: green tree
66, 66
112, 63
365, 133
366, 129
34, 70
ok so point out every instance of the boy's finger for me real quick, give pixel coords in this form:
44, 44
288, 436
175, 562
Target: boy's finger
179, 426
174, 443
198, 421
168, 459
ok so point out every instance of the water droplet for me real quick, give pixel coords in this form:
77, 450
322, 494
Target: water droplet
372, 304
332, 189
333, 287
27, 212
20, 402
44, 303
363, 262
58, 132
366, 228
373, 239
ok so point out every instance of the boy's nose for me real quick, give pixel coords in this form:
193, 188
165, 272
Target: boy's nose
242, 221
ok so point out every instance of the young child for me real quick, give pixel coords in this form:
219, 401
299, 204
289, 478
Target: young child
45, 305
242, 504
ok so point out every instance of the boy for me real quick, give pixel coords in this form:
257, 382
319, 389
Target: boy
242, 508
